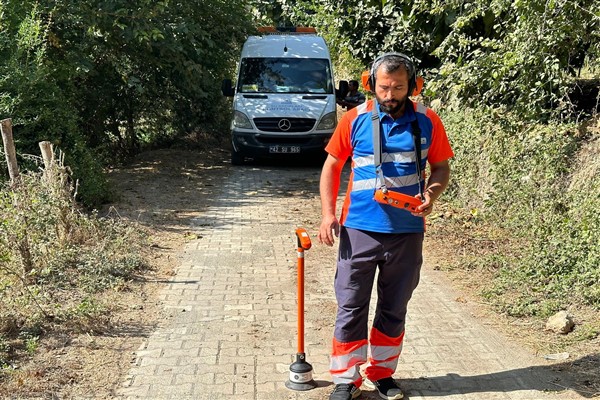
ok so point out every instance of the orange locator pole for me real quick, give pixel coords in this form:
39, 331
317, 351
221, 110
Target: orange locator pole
300, 370
303, 244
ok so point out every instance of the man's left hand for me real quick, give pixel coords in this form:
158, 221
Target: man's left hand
424, 209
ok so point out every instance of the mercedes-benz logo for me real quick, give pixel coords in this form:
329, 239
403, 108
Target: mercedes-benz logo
284, 124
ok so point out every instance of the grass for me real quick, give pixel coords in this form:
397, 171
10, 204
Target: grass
57, 262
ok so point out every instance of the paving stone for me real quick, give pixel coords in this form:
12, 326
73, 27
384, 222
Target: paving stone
231, 333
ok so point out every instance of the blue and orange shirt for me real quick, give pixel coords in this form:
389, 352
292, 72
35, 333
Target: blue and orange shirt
353, 137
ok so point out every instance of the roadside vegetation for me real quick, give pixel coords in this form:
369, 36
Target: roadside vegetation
516, 84
56, 262
101, 82
528, 194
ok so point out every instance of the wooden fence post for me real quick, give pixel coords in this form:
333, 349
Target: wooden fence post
13, 172
9, 149
48, 157
47, 154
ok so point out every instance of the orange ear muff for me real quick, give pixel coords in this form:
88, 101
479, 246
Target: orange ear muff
365, 80
420, 81
367, 86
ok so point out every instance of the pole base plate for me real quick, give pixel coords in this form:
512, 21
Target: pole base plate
301, 386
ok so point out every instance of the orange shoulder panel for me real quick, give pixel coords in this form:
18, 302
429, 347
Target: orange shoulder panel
339, 145
440, 149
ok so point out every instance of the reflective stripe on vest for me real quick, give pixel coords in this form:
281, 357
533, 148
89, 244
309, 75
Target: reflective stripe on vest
400, 157
395, 182
361, 108
421, 108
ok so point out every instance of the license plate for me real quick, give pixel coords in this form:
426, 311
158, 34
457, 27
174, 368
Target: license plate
284, 149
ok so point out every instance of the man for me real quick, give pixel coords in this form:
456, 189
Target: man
374, 235
353, 98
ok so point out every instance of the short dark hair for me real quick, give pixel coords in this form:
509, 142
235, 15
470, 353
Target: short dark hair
353, 82
392, 63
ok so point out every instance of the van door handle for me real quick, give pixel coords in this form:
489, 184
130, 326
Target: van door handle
256, 96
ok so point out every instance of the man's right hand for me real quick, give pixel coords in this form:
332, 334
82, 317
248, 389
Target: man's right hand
329, 227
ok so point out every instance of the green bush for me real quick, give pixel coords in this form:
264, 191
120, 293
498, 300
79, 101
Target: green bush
522, 54
57, 260
104, 82
537, 183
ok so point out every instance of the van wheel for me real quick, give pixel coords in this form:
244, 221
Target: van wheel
237, 158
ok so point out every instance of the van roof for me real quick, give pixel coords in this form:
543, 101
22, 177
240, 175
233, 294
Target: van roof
302, 46
298, 30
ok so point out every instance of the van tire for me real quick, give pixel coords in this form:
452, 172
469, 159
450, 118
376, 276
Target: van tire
237, 158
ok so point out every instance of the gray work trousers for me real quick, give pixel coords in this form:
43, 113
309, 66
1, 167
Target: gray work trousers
398, 257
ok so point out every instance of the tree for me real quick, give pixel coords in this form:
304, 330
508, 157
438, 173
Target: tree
524, 54
518, 54
101, 79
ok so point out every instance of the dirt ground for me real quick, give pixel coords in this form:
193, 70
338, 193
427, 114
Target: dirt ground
161, 191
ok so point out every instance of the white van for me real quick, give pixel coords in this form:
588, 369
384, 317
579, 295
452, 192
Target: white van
284, 96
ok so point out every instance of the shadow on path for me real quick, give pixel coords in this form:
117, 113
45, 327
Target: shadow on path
551, 379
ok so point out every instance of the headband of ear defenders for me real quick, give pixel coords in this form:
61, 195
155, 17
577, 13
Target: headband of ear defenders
415, 83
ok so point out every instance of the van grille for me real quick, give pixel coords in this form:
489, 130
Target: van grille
274, 124
285, 140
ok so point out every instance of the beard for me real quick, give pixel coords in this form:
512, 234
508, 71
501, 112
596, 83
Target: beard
391, 107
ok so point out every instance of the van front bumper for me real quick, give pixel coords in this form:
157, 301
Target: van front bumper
257, 145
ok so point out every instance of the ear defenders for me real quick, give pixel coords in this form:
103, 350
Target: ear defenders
415, 83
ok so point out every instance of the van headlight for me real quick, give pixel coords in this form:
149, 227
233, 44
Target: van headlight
240, 120
327, 122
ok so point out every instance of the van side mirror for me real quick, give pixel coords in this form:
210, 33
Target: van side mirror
342, 90
227, 88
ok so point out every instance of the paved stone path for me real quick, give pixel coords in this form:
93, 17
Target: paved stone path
231, 333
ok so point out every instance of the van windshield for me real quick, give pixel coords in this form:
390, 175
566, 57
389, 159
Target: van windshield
285, 75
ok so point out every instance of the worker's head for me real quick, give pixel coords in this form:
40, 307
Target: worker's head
352, 85
391, 62
392, 79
